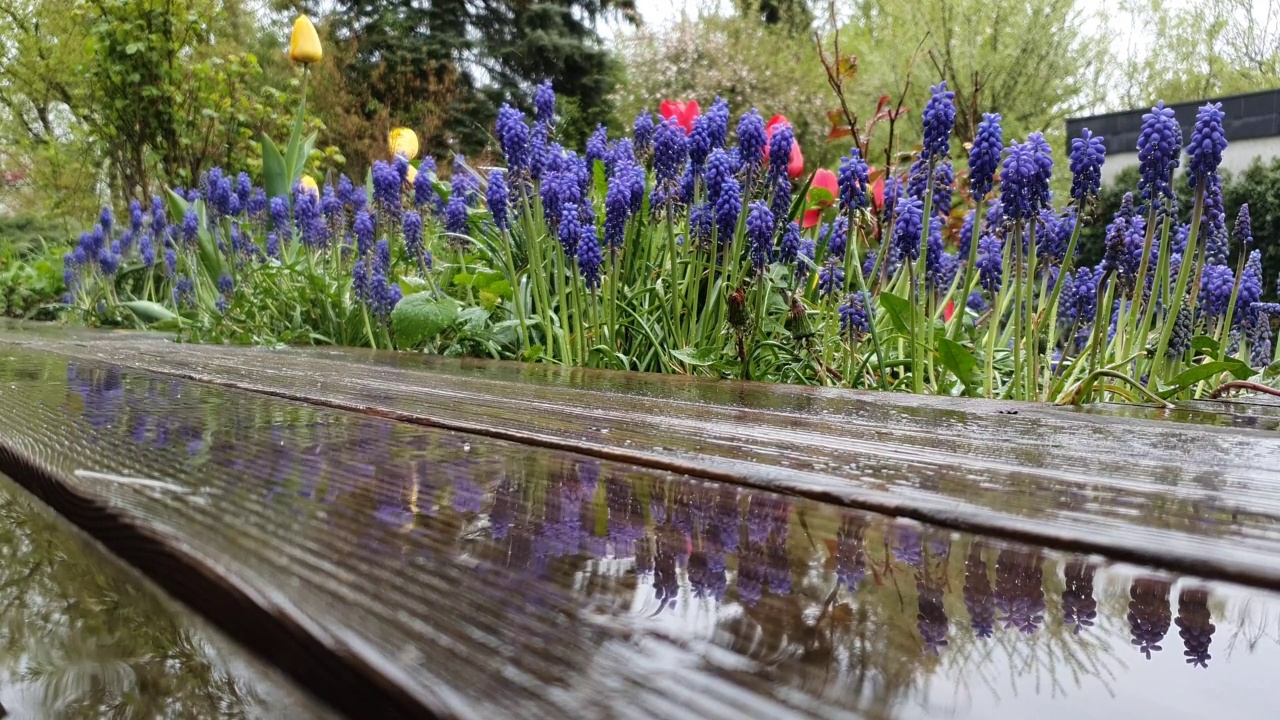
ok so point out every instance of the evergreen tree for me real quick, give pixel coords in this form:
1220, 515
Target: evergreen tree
444, 66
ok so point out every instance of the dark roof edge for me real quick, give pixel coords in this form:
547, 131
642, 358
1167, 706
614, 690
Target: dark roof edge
1221, 98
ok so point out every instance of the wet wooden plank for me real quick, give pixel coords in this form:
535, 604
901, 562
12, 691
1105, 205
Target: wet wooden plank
1190, 489
408, 571
82, 635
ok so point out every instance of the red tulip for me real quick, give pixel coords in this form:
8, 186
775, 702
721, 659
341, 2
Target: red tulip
684, 113
949, 310
823, 179
795, 164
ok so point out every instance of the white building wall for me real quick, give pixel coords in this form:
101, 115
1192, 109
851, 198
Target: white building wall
1238, 155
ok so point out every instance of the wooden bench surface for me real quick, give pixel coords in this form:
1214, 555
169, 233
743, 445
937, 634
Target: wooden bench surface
413, 536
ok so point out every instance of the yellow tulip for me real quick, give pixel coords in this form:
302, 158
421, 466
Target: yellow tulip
403, 141
304, 44
308, 183
412, 175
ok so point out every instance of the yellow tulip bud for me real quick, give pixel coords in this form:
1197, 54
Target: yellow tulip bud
412, 175
304, 44
308, 183
403, 141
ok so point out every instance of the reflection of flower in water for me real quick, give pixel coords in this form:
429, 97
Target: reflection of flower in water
1195, 626
1079, 609
468, 497
851, 560
904, 540
505, 499
977, 593
727, 520
751, 575
1149, 613
706, 571
626, 518
1019, 593
669, 545
931, 617
588, 471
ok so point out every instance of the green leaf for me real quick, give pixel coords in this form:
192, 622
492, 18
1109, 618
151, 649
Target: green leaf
273, 169
300, 160
959, 360
899, 310
177, 205
1191, 376
700, 357
150, 312
1205, 345
420, 317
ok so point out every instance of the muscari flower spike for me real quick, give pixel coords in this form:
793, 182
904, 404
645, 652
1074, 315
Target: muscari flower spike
1208, 140
852, 179
990, 263
751, 140
789, 247
498, 199
513, 137
1243, 231
984, 156
544, 102
1028, 167
908, 226
1088, 153
642, 131
854, 317
780, 150
1159, 145
719, 167
670, 153
1250, 291
760, 227
944, 177
939, 118
830, 279
1216, 285
589, 256
597, 145
727, 208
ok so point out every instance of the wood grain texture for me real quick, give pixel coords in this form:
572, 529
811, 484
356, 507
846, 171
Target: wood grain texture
1195, 489
400, 570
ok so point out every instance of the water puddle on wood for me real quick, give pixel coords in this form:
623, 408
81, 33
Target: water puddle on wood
528, 581
83, 637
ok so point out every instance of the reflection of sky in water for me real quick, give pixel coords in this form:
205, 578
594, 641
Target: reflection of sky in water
804, 603
82, 638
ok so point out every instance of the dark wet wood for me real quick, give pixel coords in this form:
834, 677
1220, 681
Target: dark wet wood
402, 570
1196, 489
83, 635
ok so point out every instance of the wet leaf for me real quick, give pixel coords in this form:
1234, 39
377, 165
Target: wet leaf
899, 310
150, 312
1191, 376
960, 361
701, 357
421, 317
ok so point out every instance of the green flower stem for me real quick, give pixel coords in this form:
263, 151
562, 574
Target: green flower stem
971, 273
917, 375
856, 232
1179, 288
1143, 331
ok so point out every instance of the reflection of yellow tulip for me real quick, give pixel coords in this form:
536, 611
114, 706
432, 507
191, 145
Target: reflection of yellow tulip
403, 141
412, 175
308, 183
304, 44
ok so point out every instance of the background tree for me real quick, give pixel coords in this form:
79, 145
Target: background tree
443, 66
1199, 50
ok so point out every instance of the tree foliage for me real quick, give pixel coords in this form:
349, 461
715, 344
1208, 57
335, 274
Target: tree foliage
1200, 50
1035, 62
748, 62
442, 66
